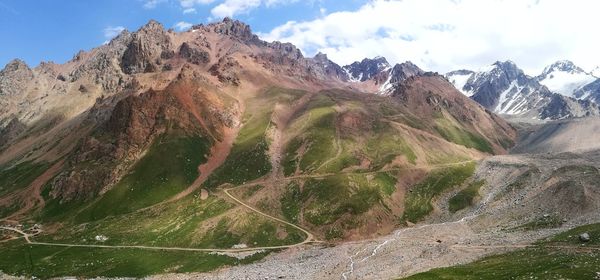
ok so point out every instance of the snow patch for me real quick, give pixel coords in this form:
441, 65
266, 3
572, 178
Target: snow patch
459, 81
566, 83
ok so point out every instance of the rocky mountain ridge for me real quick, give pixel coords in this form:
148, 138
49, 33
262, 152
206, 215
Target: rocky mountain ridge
505, 89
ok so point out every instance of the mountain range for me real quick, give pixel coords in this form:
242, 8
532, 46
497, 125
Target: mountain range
172, 152
561, 91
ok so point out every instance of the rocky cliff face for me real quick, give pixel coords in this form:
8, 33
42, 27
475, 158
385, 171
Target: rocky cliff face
11, 131
14, 78
146, 48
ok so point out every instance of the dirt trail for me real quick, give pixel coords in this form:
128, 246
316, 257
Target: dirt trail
31, 196
309, 236
218, 154
281, 118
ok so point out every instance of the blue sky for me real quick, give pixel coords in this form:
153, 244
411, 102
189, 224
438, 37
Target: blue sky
437, 35
43, 30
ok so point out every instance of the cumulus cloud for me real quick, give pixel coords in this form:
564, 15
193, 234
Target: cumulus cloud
182, 25
230, 8
443, 35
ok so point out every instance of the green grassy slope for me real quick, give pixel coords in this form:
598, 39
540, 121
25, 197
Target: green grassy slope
465, 197
540, 262
248, 159
169, 167
44, 262
418, 200
20, 176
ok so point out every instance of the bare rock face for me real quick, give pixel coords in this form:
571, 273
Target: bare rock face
101, 66
194, 55
226, 70
14, 78
325, 68
282, 54
13, 129
235, 29
144, 52
403, 71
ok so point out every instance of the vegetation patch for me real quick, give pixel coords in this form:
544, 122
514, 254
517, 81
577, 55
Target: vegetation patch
44, 262
546, 221
334, 196
533, 263
571, 237
291, 202
455, 134
386, 144
169, 167
541, 262
251, 190
20, 176
466, 197
418, 200
249, 159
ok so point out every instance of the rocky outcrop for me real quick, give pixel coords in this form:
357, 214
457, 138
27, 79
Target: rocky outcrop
226, 71
143, 53
235, 29
14, 78
324, 68
194, 55
11, 131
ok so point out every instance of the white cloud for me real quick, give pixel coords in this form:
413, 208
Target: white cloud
442, 35
271, 3
189, 11
111, 32
230, 8
182, 25
186, 4
151, 4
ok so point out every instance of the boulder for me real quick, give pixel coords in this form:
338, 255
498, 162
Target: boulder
584, 237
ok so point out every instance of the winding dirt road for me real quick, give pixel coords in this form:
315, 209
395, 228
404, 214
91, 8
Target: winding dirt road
309, 236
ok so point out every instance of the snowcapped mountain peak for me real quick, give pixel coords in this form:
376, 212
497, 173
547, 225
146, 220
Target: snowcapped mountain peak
566, 66
366, 69
596, 72
565, 77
